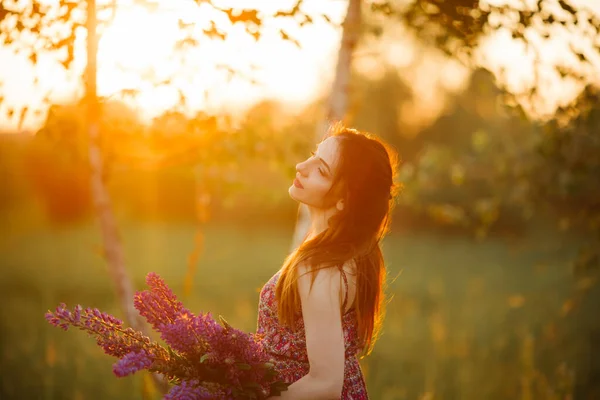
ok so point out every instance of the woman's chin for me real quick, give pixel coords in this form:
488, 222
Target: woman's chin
292, 191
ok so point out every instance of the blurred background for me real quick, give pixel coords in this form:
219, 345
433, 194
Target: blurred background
202, 110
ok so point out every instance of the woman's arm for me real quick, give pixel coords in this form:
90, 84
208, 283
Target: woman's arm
324, 337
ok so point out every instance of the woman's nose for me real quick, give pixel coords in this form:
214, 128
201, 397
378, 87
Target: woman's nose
301, 168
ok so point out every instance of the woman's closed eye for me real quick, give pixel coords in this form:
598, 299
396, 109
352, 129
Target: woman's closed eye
320, 169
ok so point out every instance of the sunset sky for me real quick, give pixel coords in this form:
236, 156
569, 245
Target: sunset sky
136, 50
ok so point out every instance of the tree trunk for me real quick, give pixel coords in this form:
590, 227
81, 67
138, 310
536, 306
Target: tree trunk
338, 99
113, 250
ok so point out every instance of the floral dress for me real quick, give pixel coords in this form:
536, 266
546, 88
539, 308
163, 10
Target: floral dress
288, 346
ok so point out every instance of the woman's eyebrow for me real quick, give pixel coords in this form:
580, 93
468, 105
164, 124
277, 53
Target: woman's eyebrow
323, 161
326, 165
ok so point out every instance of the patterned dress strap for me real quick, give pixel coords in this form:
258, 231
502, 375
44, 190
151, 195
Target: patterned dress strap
346, 292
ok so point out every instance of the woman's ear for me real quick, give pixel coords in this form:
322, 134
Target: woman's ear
340, 204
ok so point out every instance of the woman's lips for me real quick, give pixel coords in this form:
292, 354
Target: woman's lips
298, 184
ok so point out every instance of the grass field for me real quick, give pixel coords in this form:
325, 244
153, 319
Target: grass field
466, 319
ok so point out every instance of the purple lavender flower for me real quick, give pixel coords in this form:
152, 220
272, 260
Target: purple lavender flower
208, 328
207, 360
131, 363
190, 390
183, 335
178, 326
159, 305
239, 354
231, 342
108, 330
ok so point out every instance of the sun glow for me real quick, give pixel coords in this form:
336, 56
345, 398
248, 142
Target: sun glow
137, 51
137, 55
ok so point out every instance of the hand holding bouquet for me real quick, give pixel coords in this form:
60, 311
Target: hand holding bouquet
202, 358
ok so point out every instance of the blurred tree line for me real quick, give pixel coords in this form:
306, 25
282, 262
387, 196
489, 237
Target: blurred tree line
482, 167
155, 170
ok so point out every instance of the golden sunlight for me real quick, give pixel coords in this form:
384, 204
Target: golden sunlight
136, 55
136, 52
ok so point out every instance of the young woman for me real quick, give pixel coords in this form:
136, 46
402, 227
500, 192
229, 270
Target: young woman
324, 306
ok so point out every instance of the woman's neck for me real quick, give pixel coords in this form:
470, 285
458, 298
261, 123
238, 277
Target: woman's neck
319, 220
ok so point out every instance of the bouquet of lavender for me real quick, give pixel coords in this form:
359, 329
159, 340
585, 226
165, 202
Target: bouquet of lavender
202, 358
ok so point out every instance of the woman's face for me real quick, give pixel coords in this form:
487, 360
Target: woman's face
314, 177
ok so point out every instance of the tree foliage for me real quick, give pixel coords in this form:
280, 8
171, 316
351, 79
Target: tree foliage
486, 167
32, 28
458, 28
158, 168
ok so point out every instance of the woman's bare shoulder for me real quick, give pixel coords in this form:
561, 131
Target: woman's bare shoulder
350, 266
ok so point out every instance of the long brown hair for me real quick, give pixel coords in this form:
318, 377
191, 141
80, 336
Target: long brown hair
365, 180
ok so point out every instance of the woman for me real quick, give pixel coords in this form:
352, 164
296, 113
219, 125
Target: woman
324, 306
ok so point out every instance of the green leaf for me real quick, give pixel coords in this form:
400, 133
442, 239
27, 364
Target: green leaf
278, 387
251, 385
224, 322
249, 394
281, 385
203, 358
268, 365
243, 366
